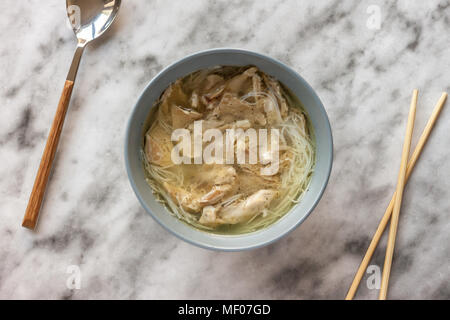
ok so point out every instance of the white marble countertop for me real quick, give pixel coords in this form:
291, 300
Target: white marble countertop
91, 218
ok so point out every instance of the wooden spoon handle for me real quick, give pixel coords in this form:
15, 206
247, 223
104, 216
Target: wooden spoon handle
40, 184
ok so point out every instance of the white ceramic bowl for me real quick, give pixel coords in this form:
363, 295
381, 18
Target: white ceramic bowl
235, 57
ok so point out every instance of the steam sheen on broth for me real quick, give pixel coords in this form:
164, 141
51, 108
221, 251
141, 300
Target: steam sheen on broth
229, 198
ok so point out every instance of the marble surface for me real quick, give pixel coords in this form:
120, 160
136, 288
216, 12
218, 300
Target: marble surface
91, 218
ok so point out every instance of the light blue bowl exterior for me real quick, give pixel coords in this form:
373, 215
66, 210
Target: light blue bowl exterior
206, 59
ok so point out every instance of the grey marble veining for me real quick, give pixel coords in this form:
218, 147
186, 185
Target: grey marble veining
91, 218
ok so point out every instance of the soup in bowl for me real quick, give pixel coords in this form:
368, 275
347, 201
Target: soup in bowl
228, 149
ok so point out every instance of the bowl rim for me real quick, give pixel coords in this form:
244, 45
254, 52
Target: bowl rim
199, 243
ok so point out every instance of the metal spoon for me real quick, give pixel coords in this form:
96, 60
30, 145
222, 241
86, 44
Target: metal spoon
90, 19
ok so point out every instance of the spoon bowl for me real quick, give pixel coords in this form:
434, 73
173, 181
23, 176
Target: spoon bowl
91, 18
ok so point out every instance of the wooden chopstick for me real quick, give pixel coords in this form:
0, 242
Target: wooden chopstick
387, 214
398, 198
